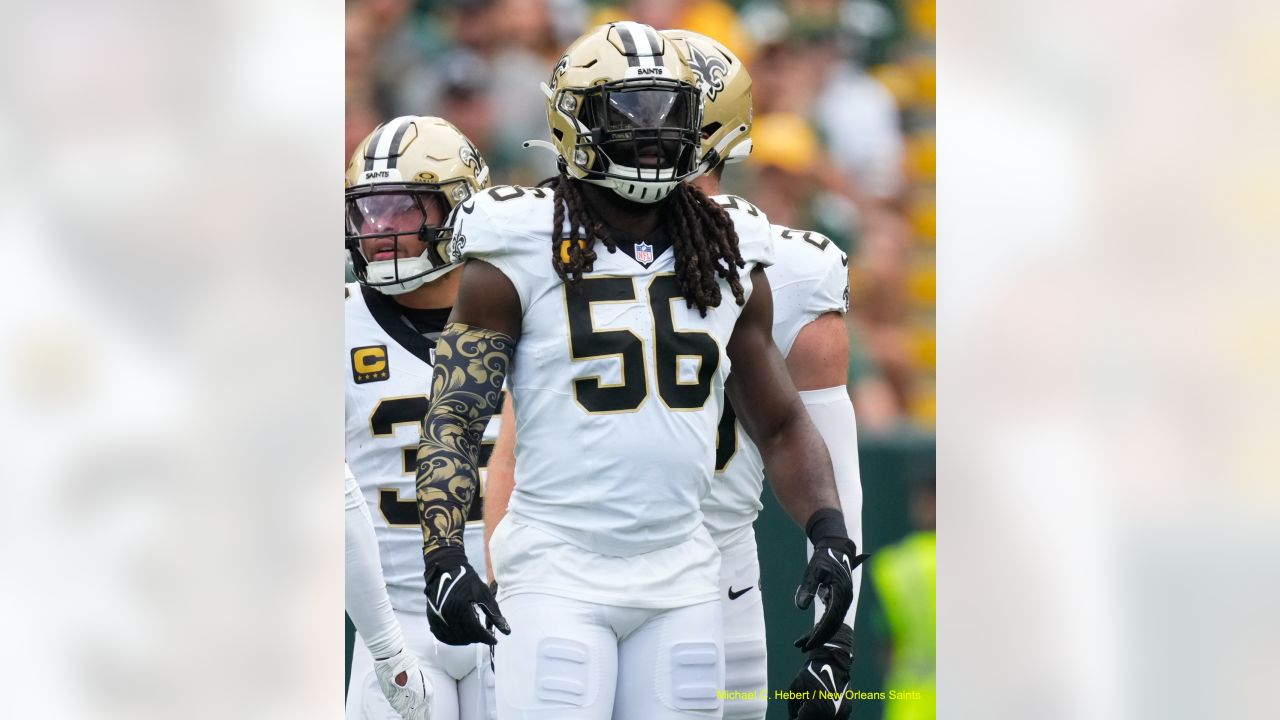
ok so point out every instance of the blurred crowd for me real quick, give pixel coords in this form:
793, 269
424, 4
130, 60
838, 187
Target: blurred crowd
843, 133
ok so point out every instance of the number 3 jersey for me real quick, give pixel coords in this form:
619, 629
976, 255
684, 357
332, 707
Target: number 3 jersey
389, 353
809, 277
618, 388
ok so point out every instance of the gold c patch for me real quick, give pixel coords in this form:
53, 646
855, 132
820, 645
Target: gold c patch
369, 364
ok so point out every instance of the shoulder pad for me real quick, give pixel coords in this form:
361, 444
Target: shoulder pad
755, 241
501, 220
813, 258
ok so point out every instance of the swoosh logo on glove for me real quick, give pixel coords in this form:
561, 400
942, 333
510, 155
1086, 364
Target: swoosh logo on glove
842, 560
830, 686
442, 592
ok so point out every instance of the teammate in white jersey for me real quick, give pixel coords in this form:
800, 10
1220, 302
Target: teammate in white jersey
618, 366
810, 283
402, 182
400, 678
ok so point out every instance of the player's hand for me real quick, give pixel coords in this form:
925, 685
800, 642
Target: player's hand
406, 688
830, 576
454, 592
823, 680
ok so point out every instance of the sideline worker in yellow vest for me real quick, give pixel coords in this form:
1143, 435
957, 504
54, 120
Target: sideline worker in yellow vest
904, 575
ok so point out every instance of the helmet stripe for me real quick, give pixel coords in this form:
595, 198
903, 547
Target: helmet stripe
628, 43
655, 43
371, 146
379, 148
646, 44
393, 151
642, 39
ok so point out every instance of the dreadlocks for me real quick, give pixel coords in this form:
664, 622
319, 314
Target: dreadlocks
703, 237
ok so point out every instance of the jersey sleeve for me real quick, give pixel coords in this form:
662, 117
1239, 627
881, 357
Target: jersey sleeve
831, 291
366, 590
493, 226
809, 278
755, 240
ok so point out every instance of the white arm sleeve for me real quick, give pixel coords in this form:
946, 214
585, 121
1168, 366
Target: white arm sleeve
832, 412
367, 601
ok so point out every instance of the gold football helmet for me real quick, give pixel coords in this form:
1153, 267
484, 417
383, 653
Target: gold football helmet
726, 98
625, 111
403, 181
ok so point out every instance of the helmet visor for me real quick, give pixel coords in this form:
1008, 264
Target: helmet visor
392, 226
647, 128
641, 109
387, 213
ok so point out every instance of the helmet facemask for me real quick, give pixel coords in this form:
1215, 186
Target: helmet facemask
638, 137
387, 224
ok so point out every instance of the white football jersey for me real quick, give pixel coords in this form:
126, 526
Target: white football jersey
618, 386
388, 371
809, 277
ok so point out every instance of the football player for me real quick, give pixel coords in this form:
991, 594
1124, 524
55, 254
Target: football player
399, 676
810, 284
613, 305
401, 184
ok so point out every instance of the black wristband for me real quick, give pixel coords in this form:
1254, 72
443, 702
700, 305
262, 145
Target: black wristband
826, 523
448, 555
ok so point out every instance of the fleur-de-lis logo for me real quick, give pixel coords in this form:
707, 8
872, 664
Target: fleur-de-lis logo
710, 70
470, 157
557, 71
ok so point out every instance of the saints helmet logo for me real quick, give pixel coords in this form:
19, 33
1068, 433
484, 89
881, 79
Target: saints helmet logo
710, 70
470, 157
557, 71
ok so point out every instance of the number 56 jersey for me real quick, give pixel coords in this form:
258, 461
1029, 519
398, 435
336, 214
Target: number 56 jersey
618, 385
388, 370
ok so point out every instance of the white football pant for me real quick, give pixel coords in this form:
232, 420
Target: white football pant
746, 669
460, 677
576, 660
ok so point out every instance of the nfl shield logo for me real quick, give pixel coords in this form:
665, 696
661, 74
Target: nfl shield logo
644, 253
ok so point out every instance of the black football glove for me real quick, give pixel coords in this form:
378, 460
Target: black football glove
454, 591
829, 575
823, 680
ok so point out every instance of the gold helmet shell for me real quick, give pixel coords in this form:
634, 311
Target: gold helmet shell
726, 97
408, 163
624, 111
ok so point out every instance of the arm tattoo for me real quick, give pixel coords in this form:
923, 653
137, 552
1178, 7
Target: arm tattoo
466, 389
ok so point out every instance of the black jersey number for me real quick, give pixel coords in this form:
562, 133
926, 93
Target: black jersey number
733, 202
672, 346
411, 409
511, 192
819, 241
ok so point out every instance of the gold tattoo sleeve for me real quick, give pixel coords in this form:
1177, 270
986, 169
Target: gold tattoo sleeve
466, 389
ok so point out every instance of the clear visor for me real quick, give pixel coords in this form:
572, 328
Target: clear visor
639, 109
394, 225
387, 213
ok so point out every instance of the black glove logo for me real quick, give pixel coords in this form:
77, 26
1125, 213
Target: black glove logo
445, 590
454, 593
829, 576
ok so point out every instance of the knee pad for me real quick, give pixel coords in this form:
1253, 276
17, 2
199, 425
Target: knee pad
746, 677
745, 665
695, 675
562, 674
